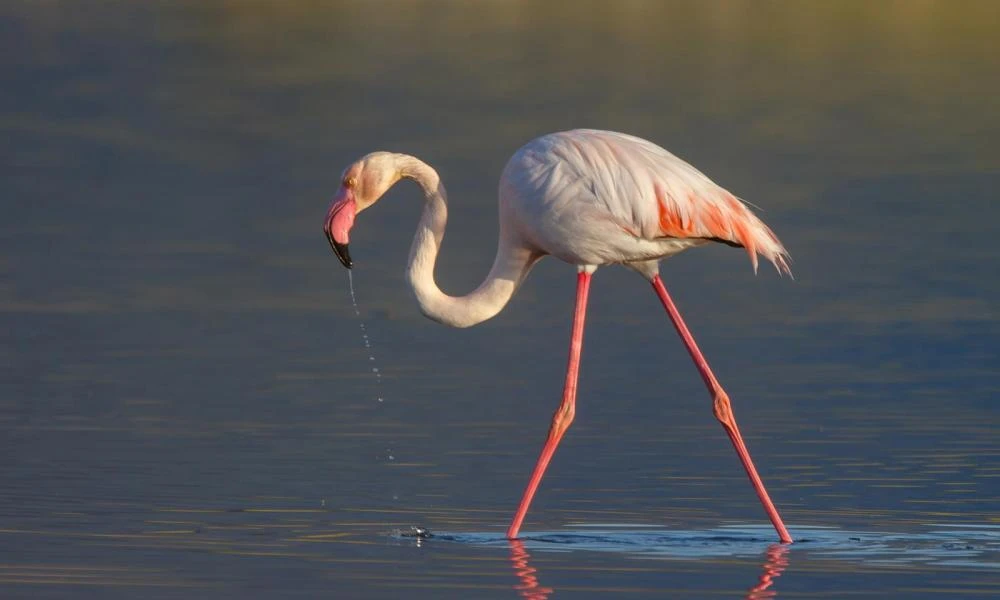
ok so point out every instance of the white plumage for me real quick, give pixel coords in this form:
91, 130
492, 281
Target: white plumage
599, 197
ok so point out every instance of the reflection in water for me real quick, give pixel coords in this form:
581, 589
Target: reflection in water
529, 587
774, 566
775, 563
968, 547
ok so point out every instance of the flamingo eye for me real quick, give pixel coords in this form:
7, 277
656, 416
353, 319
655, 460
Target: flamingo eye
350, 182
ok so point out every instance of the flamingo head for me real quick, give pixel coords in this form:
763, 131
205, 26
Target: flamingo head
361, 185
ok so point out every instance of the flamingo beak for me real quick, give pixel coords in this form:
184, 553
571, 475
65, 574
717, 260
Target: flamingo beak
340, 250
339, 221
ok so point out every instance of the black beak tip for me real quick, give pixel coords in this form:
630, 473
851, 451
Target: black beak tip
341, 250
343, 254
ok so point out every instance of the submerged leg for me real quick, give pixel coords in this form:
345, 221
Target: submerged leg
722, 408
564, 414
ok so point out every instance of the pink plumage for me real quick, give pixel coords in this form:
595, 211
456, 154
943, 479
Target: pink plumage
591, 198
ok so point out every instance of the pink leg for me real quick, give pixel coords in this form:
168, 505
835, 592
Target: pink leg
723, 409
567, 409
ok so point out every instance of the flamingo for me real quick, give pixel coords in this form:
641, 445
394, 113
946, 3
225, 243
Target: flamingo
588, 197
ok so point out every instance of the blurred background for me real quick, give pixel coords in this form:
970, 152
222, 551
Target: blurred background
182, 371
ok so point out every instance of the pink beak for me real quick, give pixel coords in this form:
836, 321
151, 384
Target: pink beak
339, 220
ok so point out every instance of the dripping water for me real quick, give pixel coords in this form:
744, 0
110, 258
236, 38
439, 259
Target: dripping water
371, 353
364, 337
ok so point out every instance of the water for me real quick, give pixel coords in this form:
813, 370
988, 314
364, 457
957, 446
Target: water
970, 546
186, 407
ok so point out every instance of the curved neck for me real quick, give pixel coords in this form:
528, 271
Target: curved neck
509, 269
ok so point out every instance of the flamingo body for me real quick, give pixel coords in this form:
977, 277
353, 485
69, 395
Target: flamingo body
594, 197
590, 198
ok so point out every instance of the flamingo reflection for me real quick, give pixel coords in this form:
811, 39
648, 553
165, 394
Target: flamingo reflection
529, 587
775, 563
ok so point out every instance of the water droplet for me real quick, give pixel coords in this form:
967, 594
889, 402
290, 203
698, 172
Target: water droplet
371, 359
364, 335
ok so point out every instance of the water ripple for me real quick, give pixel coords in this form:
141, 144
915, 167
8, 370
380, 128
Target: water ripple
944, 545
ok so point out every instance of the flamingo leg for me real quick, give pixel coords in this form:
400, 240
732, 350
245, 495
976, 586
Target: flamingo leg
722, 408
567, 408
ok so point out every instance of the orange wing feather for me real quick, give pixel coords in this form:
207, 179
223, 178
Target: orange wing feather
722, 218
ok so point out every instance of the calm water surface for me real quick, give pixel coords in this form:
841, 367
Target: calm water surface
187, 407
